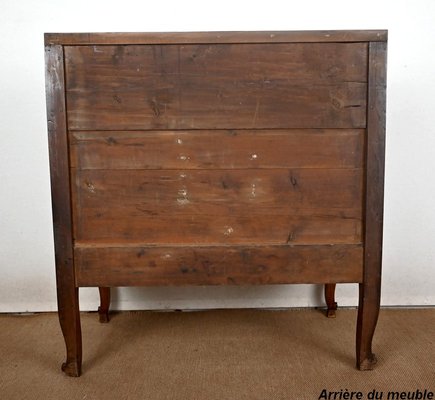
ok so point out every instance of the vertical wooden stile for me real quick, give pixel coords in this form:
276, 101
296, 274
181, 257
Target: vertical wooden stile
67, 292
370, 289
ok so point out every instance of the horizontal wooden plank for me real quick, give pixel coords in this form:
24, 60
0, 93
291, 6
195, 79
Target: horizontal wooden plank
218, 206
216, 86
217, 265
217, 149
272, 188
215, 37
258, 64
104, 227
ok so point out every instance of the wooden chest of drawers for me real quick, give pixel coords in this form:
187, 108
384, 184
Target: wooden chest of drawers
216, 158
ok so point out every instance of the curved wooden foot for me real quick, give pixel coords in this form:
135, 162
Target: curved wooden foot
103, 309
368, 364
368, 312
330, 300
69, 318
72, 368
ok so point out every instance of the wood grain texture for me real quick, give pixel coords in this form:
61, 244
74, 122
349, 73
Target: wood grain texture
217, 86
219, 206
330, 300
67, 292
185, 150
217, 158
220, 229
103, 309
218, 265
215, 37
370, 289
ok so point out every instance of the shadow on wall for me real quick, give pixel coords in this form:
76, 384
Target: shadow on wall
210, 297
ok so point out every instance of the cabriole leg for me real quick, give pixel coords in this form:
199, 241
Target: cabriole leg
370, 288
368, 312
103, 309
69, 317
330, 300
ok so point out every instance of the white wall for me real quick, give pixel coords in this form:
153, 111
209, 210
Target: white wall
26, 245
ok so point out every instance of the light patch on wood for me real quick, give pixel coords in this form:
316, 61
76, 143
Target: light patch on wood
182, 197
183, 157
179, 141
253, 157
253, 190
228, 231
90, 187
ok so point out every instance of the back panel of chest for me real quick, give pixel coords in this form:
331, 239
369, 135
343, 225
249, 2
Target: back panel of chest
216, 158
217, 163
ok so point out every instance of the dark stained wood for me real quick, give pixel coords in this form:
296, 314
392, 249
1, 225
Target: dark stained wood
224, 86
196, 190
219, 206
330, 300
314, 63
184, 150
103, 309
67, 292
209, 229
370, 288
217, 265
215, 37
217, 158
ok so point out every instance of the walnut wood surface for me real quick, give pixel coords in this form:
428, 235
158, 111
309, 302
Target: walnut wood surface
103, 309
216, 158
216, 37
224, 86
219, 206
218, 149
370, 289
217, 265
67, 292
330, 300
